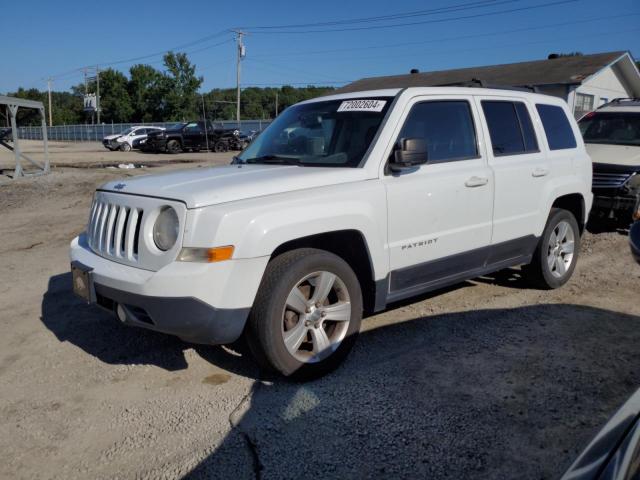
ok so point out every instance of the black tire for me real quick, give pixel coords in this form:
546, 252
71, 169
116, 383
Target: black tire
538, 272
220, 147
173, 146
265, 327
125, 147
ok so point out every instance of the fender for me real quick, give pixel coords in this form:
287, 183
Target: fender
257, 227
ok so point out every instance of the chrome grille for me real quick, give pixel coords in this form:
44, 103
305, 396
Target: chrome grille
609, 179
114, 230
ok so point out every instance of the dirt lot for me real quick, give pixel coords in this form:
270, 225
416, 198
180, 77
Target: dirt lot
488, 379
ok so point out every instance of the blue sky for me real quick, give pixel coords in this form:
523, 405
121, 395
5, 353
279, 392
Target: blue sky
57, 38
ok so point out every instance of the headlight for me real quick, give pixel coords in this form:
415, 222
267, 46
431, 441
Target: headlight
165, 230
634, 182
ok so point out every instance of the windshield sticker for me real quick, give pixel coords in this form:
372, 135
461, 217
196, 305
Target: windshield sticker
362, 106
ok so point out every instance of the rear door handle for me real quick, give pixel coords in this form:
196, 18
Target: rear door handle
476, 181
540, 172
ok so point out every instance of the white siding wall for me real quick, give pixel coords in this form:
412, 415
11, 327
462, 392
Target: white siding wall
605, 84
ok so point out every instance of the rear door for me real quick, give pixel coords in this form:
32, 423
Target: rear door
439, 214
520, 167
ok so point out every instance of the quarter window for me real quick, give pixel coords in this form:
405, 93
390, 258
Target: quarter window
510, 127
447, 126
556, 127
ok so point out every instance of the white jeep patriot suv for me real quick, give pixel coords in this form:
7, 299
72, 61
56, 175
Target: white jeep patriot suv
343, 205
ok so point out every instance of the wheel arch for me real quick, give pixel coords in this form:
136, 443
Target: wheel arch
574, 203
351, 246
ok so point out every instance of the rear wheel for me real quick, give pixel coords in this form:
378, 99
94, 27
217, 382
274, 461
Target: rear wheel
306, 315
556, 255
173, 146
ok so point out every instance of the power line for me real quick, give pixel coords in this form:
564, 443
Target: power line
422, 22
151, 55
445, 39
397, 16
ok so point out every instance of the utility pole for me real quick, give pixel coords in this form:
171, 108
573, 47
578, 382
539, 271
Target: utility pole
98, 93
49, 80
241, 54
206, 125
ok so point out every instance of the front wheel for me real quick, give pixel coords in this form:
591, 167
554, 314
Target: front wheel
125, 147
307, 313
173, 146
556, 255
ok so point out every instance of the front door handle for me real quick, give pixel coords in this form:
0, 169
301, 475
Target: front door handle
540, 172
476, 181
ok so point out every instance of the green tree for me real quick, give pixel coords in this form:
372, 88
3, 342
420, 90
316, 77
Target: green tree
147, 90
115, 102
181, 86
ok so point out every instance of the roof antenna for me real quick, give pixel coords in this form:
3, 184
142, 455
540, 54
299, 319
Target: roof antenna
414, 70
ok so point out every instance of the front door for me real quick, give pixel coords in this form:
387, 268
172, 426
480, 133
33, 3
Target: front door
193, 135
439, 214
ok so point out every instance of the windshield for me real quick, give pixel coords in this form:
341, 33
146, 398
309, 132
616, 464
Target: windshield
127, 131
617, 128
334, 133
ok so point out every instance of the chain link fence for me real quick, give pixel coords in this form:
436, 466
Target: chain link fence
95, 133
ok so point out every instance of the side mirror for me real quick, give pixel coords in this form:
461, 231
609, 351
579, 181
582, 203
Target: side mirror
634, 240
410, 152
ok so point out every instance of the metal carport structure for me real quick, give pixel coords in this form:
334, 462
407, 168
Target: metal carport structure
12, 105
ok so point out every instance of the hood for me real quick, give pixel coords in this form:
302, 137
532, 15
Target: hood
200, 187
614, 154
111, 137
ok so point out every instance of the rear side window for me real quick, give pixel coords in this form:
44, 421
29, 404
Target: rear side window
447, 126
556, 127
510, 127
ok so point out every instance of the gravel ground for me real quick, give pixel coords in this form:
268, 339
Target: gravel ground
487, 379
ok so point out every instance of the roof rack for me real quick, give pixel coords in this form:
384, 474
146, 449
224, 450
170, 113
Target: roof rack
625, 99
621, 101
477, 83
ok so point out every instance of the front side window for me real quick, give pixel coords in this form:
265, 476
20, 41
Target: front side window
446, 126
193, 128
335, 133
556, 127
510, 127
615, 128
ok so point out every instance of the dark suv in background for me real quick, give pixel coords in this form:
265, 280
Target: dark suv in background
612, 139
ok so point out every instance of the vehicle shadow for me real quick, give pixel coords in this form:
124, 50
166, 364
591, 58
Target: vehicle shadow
500, 393
101, 335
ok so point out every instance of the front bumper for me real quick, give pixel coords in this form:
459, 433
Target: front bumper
112, 144
615, 207
198, 302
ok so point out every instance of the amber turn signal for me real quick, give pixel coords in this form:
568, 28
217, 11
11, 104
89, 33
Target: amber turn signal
210, 255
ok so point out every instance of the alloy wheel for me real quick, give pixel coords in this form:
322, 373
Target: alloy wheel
560, 249
316, 317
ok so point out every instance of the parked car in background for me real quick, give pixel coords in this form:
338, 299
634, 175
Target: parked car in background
5, 134
125, 140
612, 138
377, 196
614, 453
192, 136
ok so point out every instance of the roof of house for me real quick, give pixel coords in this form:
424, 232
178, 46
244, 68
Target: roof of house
561, 70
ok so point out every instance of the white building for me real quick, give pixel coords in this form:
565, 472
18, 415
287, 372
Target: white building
584, 81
